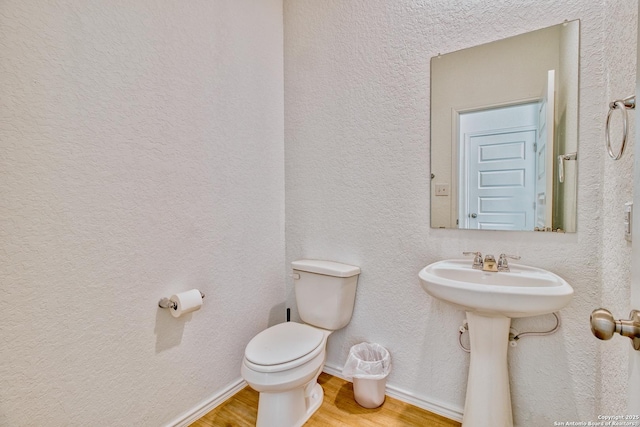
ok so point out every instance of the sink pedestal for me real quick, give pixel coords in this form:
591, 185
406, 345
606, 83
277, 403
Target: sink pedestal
488, 400
491, 300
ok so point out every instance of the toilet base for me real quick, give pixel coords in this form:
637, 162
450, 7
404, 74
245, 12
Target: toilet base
288, 409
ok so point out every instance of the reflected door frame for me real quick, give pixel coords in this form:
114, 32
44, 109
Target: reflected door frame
460, 208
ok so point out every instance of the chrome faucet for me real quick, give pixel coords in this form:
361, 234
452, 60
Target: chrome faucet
489, 263
503, 264
477, 259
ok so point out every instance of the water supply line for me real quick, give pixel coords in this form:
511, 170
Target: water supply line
514, 336
464, 328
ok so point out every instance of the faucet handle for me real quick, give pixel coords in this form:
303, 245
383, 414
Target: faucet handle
477, 259
503, 264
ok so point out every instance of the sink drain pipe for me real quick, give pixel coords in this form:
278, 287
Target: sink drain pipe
514, 336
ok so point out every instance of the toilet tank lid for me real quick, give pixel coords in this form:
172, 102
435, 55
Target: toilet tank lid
329, 268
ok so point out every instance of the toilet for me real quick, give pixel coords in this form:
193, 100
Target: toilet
283, 362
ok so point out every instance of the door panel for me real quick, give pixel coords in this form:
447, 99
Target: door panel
497, 170
501, 180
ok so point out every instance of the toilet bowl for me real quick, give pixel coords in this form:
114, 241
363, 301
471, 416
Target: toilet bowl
283, 362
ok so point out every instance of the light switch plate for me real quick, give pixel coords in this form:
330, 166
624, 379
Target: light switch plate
628, 220
442, 189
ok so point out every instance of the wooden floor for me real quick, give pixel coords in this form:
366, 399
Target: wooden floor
338, 409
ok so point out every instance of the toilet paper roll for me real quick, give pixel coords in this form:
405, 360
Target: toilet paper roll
186, 302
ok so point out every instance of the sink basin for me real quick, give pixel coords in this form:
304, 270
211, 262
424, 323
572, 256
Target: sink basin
491, 300
523, 291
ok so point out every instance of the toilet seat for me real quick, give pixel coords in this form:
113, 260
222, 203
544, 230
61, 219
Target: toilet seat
283, 346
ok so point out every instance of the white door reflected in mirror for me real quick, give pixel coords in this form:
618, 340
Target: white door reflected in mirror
498, 168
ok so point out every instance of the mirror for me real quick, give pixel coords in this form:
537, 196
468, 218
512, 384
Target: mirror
504, 133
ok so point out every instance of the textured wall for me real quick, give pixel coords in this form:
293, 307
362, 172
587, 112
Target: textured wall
141, 153
357, 190
620, 69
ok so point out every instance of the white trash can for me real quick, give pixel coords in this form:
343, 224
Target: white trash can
368, 365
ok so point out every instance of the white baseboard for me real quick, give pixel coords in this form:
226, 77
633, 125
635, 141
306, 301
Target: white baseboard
208, 405
430, 405
218, 398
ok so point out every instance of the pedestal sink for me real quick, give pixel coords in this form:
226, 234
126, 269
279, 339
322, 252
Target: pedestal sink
491, 300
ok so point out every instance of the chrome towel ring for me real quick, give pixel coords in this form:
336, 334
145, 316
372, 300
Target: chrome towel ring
623, 105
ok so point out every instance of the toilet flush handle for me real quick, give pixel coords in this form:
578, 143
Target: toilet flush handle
295, 276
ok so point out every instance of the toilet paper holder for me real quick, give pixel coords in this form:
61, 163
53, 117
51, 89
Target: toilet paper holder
167, 303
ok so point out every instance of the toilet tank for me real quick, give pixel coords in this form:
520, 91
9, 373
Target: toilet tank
325, 292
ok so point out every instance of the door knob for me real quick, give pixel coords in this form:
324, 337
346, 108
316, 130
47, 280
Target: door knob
604, 326
473, 215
